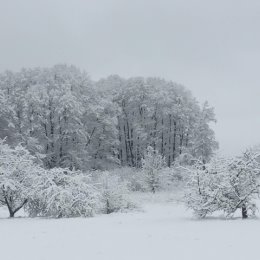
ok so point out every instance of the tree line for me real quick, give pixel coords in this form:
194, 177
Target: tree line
67, 120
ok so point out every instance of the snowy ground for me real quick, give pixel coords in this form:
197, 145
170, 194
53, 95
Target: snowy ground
163, 230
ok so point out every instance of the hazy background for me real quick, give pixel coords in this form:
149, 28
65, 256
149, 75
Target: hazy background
212, 47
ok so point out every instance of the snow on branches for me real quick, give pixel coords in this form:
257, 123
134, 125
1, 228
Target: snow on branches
114, 192
50, 193
152, 165
17, 170
70, 121
224, 185
62, 193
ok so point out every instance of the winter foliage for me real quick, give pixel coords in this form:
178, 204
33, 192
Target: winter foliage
73, 147
114, 193
224, 185
62, 193
152, 165
17, 171
56, 192
60, 115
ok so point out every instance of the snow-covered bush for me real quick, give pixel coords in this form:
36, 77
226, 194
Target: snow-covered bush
62, 193
224, 185
169, 178
127, 175
152, 165
17, 170
114, 193
137, 182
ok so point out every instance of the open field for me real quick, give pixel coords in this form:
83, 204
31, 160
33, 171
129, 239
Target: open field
161, 230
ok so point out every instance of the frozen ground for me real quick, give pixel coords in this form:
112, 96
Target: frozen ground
163, 230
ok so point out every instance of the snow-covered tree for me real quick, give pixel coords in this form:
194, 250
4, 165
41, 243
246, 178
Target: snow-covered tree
160, 114
7, 128
243, 183
204, 143
152, 165
225, 185
203, 189
17, 171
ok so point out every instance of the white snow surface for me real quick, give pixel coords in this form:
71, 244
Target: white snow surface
163, 229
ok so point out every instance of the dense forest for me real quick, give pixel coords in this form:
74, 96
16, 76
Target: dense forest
68, 120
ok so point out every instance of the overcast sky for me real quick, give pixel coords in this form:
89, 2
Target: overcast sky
211, 47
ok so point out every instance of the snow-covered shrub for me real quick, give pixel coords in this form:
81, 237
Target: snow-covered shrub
224, 185
127, 175
152, 165
166, 179
114, 193
184, 159
170, 178
17, 170
137, 183
180, 166
62, 193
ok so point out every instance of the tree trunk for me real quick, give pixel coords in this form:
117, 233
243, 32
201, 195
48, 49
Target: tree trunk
126, 145
108, 207
174, 141
244, 212
11, 214
11, 210
120, 154
181, 142
169, 144
162, 148
155, 128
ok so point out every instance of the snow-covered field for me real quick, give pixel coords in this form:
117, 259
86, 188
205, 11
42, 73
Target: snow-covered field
163, 229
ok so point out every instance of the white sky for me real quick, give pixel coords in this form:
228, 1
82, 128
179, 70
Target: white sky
212, 47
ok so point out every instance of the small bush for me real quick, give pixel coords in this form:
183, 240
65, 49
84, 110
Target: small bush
114, 193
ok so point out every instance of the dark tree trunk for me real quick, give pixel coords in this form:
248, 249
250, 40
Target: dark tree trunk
169, 144
174, 141
244, 212
126, 145
181, 142
108, 207
120, 154
138, 153
162, 148
155, 128
130, 143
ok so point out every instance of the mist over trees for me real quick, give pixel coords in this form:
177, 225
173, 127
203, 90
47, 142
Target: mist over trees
67, 120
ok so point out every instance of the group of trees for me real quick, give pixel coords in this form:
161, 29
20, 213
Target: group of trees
56, 124
57, 115
161, 114
56, 192
69, 121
